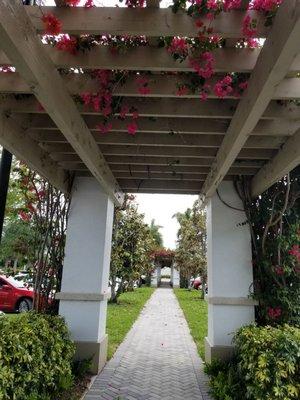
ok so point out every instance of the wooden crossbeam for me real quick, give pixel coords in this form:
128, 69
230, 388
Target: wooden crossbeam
278, 53
285, 160
160, 86
149, 59
164, 151
178, 169
15, 138
150, 139
173, 108
164, 185
150, 21
21, 44
170, 161
174, 125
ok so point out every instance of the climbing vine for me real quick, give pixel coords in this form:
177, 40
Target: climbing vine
274, 218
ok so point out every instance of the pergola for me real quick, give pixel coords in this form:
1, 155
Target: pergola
182, 145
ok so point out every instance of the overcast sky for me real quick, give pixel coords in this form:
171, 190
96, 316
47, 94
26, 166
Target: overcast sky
162, 207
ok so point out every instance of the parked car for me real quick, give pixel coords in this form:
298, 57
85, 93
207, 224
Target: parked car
14, 296
197, 284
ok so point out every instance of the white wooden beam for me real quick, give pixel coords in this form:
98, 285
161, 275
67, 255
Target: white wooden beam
174, 125
173, 108
164, 185
160, 86
149, 59
152, 139
278, 53
21, 44
150, 21
16, 139
164, 151
285, 160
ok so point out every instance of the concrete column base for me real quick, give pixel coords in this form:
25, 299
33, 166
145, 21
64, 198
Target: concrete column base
96, 351
217, 352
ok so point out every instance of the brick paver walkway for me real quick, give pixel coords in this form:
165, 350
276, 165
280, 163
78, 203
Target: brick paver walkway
158, 360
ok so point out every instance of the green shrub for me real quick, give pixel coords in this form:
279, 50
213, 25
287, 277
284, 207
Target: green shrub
35, 357
266, 366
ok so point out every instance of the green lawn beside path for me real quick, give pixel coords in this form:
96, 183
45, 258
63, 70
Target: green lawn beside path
121, 316
195, 312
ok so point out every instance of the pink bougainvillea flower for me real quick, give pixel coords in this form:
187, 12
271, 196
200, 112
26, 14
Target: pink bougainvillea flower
274, 313
231, 4
141, 80
179, 46
124, 111
52, 25
203, 64
182, 90
135, 115
106, 111
265, 5
203, 95
132, 128
278, 270
86, 98
72, 3
144, 90
243, 85
212, 4
223, 87
24, 216
252, 43
249, 27
67, 44
104, 128
295, 251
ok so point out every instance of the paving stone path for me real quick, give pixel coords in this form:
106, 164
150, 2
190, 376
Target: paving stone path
158, 359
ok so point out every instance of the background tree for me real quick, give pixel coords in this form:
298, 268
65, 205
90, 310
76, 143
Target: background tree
156, 234
190, 253
34, 233
132, 248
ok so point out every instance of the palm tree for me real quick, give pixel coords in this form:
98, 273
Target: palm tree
154, 231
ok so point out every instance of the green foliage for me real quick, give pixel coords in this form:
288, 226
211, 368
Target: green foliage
132, 245
266, 366
274, 219
35, 357
195, 312
190, 254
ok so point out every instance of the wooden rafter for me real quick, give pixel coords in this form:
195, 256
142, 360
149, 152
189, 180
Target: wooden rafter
144, 58
174, 125
150, 139
160, 86
150, 21
15, 138
278, 53
174, 108
285, 160
22, 46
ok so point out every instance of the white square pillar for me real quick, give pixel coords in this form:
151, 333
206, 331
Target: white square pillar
84, 292
175, 276
230, 275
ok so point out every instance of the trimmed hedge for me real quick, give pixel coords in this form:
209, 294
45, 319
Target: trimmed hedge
266, 366
35, 357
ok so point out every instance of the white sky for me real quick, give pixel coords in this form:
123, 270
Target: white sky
162, 207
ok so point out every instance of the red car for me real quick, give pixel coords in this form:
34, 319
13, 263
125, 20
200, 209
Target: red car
14, 296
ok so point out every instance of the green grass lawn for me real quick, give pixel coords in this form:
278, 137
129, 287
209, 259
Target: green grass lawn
121, 316
195, 311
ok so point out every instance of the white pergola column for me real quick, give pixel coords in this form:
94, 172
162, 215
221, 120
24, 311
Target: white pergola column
175, 276
230, 275
156, 276
84, 292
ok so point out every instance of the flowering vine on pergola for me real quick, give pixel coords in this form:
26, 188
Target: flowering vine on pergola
149, 99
